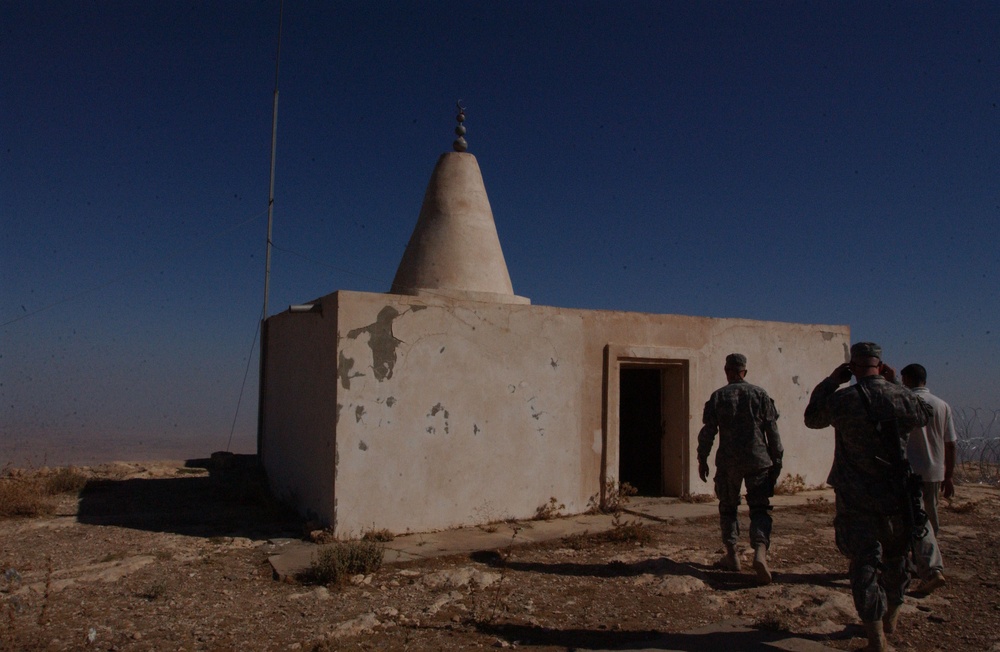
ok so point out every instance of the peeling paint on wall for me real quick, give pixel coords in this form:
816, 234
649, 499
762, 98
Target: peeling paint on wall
434, 411
381, 341
362, 445
795, 380
344, 367
358, 413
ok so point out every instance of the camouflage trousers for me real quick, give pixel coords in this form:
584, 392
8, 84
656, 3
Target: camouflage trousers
727, 488
876, 545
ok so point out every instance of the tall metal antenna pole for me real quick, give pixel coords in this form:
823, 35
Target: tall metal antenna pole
274, 147
267, 257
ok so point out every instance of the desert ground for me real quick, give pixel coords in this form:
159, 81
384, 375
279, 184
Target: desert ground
174, 556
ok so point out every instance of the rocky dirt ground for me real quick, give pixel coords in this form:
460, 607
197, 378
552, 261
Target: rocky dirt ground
169, 557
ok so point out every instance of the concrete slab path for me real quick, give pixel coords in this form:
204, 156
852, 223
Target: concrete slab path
295, 555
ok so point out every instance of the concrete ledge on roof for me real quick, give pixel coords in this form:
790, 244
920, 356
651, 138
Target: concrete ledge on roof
465, 295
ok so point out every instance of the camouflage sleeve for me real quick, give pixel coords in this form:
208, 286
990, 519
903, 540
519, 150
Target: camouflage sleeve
817, 415
706, 437
917, 412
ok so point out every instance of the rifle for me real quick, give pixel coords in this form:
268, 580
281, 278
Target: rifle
906, 485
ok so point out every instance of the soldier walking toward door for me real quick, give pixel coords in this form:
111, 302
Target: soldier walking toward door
749, 453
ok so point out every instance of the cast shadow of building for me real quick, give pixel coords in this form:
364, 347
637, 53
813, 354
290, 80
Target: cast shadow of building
232, 500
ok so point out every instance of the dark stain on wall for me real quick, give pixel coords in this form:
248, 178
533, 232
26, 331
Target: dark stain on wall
381, 341
344, 367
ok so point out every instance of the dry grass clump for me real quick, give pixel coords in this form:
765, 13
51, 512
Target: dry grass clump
962, 508
378, 535
21, 497
696, 498
616, 497
65, 480
31, 494
549, 510
790, 485
336, 563
632, 531
774, 621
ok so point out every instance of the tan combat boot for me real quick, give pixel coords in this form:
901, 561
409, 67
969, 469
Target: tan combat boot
890, 618
760, 565
876, 638
935, 581
730, 560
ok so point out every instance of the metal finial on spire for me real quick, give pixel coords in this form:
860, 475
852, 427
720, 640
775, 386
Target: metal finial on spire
460, 145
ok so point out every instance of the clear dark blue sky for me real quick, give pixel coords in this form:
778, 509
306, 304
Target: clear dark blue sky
817, 162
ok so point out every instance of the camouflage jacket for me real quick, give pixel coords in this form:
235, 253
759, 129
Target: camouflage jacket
859, 475
746, 420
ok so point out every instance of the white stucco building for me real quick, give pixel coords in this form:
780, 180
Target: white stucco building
452, 401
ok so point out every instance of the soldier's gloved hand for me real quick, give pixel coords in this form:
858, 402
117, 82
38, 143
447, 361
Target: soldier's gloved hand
775, 471
703, 470
948, 488
841, 374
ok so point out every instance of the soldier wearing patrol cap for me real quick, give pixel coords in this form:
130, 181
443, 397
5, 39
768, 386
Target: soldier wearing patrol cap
749, 452
870, 526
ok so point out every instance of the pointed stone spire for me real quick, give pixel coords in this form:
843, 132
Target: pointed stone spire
454, 250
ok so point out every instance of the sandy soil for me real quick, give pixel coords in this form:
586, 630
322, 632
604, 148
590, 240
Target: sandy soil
163, 556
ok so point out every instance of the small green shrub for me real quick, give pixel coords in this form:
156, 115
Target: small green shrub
337, 562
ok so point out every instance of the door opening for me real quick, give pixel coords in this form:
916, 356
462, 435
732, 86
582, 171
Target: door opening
652, 426
640, 430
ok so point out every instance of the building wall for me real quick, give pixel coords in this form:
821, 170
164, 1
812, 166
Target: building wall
298, 437
449, 413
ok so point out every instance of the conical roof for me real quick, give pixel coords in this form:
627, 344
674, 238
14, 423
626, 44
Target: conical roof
454, 250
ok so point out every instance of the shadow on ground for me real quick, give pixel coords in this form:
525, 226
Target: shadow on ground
232, 500
719, 580
718, 636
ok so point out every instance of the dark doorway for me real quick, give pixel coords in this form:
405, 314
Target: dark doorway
653, 423
640, 430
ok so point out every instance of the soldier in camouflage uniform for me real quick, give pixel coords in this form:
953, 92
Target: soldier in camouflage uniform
749, 452
870, 526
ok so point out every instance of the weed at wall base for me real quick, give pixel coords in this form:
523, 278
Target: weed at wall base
338, 562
